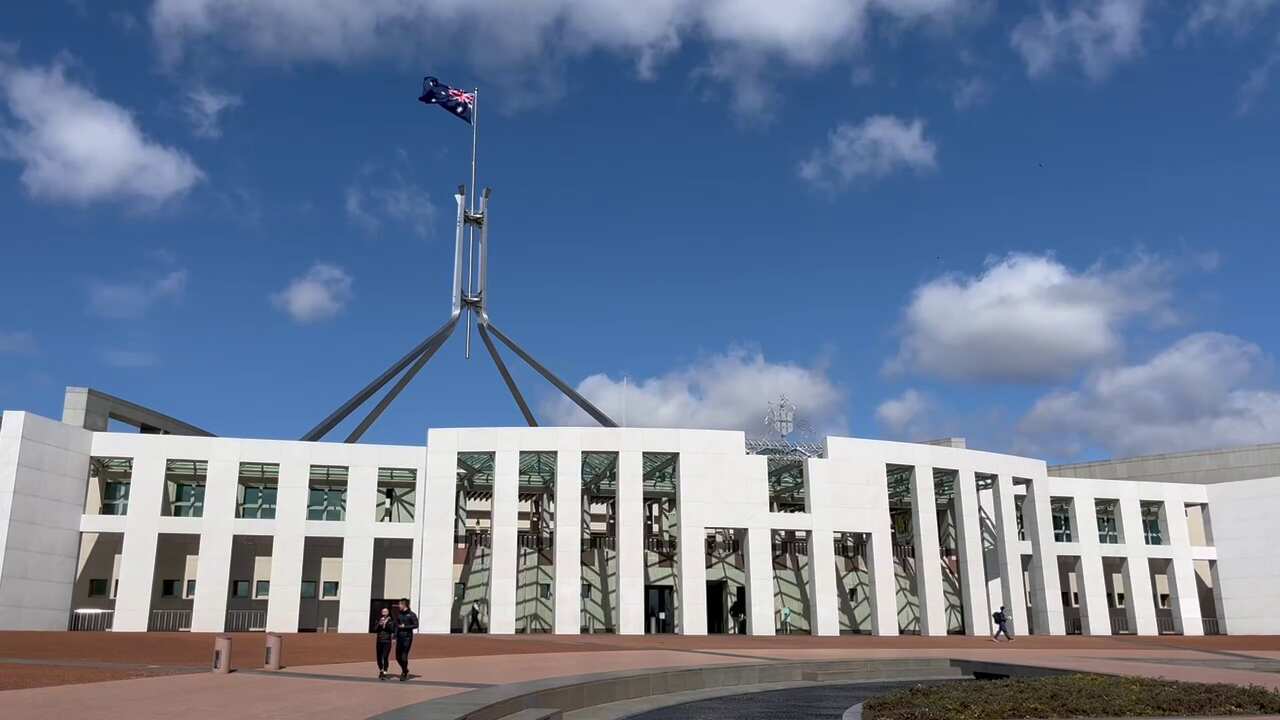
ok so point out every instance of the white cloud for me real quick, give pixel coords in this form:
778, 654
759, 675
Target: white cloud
17, 342
122, 301
1258, 81
970, 93
78, 147
1097, 34
204, 108
130, 358
873, 149
370, 203
725, 391
1026, 318
319, 294
1204, 391
1232, 14
903, 412
526, 39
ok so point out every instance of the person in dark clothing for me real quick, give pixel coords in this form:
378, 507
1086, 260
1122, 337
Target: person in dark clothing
1001, 620
473, 620
385, 628
406, 623
739, 616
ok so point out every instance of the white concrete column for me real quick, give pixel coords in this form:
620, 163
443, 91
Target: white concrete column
288, 545
435, 527
568, 542
973, 582
1184, 597
1014, 592
138, 554
822, 583
213, 572
759, 556
884, 590
630, 543
989, 523
1138, 600
924, 524
1095, 615
1037, 519
355, 589
691, 569
506, 514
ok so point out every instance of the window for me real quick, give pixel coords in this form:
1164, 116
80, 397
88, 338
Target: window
327, 499
308, 589
329, 590
1061, 509
109, 478
115, 498
544, 591
1017, 504
1152, 531
396, 490
261, 589
169, 588
256, 496
240, 589
98, 587
191, 589
586, 591
184, 485
1108, 528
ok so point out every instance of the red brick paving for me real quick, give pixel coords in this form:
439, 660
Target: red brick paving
182, 651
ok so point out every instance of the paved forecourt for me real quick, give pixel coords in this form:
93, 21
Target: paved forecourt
334, 675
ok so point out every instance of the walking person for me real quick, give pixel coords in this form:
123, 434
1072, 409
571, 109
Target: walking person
406, 623
385, 628
473, 620
1002, 626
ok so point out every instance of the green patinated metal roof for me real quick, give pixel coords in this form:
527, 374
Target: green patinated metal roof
600, 472
537, 470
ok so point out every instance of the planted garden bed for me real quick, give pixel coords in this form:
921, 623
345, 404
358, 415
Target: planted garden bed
1070, 696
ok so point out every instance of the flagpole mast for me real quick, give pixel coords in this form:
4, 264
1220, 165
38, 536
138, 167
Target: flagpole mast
471, 199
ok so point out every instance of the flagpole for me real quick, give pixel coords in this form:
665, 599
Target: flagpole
471, 199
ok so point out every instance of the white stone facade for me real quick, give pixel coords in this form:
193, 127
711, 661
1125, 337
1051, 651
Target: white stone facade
1197, 561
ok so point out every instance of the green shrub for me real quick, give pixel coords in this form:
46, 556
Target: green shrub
1069, 696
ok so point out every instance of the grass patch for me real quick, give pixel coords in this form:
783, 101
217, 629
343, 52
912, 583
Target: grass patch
1070, 696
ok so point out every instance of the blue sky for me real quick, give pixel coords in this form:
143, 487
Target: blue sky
1048, 227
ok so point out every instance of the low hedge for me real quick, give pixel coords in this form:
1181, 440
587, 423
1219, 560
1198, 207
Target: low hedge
1070, 696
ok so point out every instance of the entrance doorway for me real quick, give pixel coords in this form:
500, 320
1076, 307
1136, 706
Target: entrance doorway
659, 609
717, 613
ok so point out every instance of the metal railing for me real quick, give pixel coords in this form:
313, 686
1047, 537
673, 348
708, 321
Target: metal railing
599, 542
1211, 626
1119, 622
663, 545
849, 549
1164, 623
169, 621
246, 620
535, 541
1071, 621
91, 620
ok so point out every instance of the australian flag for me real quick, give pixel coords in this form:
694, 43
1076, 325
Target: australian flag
458, 102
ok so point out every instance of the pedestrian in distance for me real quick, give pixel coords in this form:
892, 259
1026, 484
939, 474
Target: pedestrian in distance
473, 619
385, 628
406, 623
1002, 626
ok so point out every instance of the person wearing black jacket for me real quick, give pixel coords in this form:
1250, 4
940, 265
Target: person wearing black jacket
406, 623
385, 627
